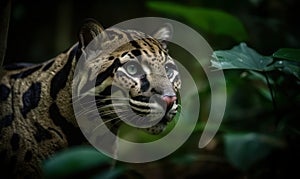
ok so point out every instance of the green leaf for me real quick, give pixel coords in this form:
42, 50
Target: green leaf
291, 63
286, 66
288, 54
240, 57
243, 57
74, 160
245, 150
209, 20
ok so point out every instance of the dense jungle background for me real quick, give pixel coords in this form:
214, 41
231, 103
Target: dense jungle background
260, 132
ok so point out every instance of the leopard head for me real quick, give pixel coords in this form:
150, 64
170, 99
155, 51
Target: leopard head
136, 80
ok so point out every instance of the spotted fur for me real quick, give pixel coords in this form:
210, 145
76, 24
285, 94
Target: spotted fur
37, 118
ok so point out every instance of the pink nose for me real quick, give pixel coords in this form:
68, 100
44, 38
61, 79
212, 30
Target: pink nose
169, 99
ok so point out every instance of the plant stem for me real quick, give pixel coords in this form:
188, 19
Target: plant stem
273, 100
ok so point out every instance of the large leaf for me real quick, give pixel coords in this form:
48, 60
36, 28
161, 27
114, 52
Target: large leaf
245, 150
75, 160
289, 61
209, 20
288, 54
240, 57
243, 57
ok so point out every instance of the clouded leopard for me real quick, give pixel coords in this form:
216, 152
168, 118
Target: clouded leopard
37, 117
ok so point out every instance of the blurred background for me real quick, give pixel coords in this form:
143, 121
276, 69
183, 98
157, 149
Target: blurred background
41, 29
259, 136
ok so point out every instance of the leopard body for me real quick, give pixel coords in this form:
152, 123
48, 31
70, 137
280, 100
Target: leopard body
37, 116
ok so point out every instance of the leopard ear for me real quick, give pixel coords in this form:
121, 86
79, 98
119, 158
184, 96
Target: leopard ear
88, 31
164, 34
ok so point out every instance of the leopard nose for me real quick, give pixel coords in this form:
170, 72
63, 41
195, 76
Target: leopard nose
169, 100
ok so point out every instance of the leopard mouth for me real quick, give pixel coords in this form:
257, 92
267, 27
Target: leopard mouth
151, 114
153, 109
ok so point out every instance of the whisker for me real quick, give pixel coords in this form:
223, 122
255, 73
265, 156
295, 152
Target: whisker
90, 94
110, 107
93, 130
104, 99
105, 122
89, 108
106, 113
98, 101
114, 105
117, 110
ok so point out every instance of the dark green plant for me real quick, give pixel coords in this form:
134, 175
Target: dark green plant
81, 162
213, 21
280, 73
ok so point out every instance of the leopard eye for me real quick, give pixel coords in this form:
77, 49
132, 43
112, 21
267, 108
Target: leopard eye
131, 69
169, 71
